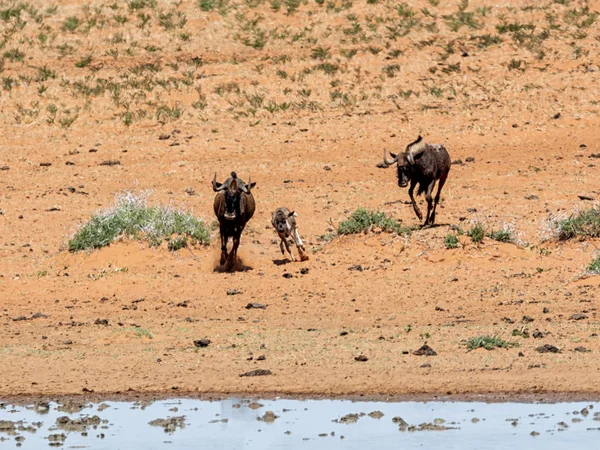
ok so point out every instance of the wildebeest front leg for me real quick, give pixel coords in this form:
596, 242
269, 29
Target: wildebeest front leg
233, 254
224, 237
429, 199
283, 243
437, 197
287, 247
411, 191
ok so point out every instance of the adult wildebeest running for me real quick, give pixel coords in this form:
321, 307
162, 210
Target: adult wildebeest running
424, 164
234, 206
284, 222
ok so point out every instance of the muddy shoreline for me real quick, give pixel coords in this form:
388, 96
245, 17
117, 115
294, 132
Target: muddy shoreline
306, 111
495, 397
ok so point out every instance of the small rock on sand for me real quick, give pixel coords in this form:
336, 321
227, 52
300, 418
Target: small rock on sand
425, 350
256, 373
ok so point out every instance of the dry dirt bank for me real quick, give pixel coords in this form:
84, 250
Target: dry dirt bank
528, 163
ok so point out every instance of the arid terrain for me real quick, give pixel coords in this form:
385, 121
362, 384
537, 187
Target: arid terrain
154, 97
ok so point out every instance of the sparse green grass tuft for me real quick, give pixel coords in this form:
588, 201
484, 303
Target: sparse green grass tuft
451, 241
177, 243
477, 233
503, 235
585, 224
14, 55
131, 217
594, 266
84, 62
71, 24
363, 220
489, 343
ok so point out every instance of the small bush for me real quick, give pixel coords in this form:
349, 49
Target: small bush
177, 243
594, 266
585, 224
362, 220
476, 233
14, 55
451, 241
70, 24
131, 217
504, 235
489, 343
84, 62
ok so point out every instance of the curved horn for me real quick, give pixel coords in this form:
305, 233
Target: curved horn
246, 188
386, 161
216, 186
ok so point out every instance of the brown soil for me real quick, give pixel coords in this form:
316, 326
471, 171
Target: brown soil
529, 164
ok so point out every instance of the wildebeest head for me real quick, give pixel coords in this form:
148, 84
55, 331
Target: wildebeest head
279, 219
233, 189
405, 160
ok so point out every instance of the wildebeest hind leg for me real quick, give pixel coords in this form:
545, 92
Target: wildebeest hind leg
437, 197
429, 203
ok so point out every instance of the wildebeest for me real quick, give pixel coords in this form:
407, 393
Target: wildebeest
234, 206
284, 222
423, 164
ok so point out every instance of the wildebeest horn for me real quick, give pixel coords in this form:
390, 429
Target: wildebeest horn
217, 187
388, 162
246, 188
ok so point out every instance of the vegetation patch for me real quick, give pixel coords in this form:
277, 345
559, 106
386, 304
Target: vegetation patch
477, 233
489, 343
594, 266
503, 235
362, 221
585, 224
451, 241
132, 218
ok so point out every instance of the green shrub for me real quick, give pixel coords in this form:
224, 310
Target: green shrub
594, 266
131, 217
489, 343
71, 24
451, 241
585, 224
363, 220
476, 233
177, 243
504, 235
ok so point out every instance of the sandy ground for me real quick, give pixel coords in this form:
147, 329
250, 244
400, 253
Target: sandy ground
529, 164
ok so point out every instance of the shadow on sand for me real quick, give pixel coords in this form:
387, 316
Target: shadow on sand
281, 262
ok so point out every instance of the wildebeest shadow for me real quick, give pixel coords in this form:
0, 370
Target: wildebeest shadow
435, 225
281, 262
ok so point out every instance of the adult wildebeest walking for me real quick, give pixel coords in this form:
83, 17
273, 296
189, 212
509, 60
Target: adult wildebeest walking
424, 164
234, 206
284, 222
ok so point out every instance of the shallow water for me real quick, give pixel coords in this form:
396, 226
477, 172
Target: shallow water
234, 423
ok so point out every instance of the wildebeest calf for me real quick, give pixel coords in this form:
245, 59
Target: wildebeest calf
284, 222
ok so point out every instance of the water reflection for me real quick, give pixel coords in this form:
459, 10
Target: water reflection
331, 424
